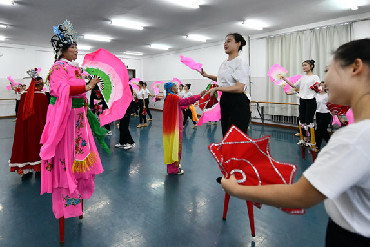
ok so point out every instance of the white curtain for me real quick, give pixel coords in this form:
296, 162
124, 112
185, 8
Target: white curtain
287, 50
324, 41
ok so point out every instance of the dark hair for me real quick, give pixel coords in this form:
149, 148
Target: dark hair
356, 49
238, 38
181, 85
141, 83
310, 62
38, 78
64, 49
188, 85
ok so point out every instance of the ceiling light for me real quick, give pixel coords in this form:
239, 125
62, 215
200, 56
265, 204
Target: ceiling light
2, 38
159, 46
135, 53
197, 37
3, 25
193, 4
7, 2
97, 37
84, 47
254, 24
127, 24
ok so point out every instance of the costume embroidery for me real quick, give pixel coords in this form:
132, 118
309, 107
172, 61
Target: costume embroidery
72, 201
49, 167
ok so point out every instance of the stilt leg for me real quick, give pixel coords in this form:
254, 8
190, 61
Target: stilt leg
251, 217
226, 205
61, 230
82, 205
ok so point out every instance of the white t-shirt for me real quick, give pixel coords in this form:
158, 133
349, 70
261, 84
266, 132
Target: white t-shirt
181, 93
342, 173
322, 100
140, 94
146, 93
304, 84
187, 94
232, 71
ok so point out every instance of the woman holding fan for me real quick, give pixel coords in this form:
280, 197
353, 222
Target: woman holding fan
232, 78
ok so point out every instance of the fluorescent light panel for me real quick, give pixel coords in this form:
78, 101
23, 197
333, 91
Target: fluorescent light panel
159, 46
254, 24
127, 24
2, 38
193, 4
197, 37
97, 37
7, 2
135, 53
3, 25
84, 47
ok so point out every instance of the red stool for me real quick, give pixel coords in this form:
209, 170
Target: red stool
61, 224
250, 212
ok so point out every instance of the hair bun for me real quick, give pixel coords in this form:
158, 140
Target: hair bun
312, 61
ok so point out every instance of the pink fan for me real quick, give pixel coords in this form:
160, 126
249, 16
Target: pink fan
12, 83
177, 80
134, 80
156, 83
156, 92
293, 80
349, 115
275, 71
336, 121
191, 63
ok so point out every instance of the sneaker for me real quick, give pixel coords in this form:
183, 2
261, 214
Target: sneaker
144, 125
180, 172
119, 145
149, 119
297, 134
139, 126
194, 126
109, 133
214, 123
301, 142
129, 146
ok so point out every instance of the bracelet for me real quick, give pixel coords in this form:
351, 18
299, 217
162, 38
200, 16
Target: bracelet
89, 86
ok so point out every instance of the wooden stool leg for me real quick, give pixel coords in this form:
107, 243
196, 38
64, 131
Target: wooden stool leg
251, 217
61, 230
226, 205
82, 205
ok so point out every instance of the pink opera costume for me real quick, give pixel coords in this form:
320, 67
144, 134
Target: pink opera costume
70, 159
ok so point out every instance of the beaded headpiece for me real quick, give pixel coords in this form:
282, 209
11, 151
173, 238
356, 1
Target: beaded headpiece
64, 35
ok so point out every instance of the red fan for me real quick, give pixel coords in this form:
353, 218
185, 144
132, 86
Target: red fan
251, 162
144, 111
315, 87
337, 109
208, 101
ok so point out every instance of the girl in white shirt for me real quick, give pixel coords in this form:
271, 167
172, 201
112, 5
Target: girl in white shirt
323, 117
140, 97
146, 99
307, 101
232, 78
181, 91
340, 174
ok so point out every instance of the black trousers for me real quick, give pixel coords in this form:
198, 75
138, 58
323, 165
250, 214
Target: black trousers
124, 132
322, 122
307, 109
16, 107
336, 236
235, 110
141, 109
147, 108
188, 114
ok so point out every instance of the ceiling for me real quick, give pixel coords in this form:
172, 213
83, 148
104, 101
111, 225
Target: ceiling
31, 21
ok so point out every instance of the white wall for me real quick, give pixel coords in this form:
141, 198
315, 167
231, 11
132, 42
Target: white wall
361, 29
17, 59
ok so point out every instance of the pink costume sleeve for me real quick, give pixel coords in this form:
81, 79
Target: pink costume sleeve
188, 101
58, 114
